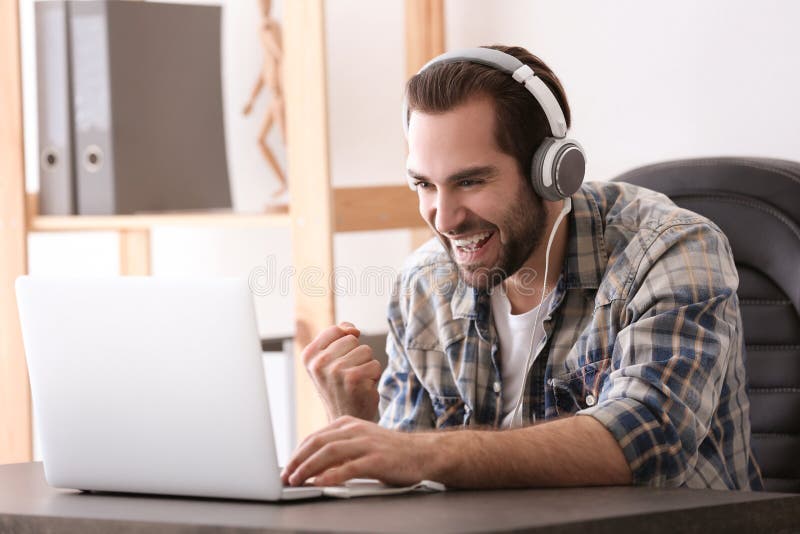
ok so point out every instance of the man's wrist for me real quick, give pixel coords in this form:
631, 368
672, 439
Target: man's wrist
366, 415
441, 451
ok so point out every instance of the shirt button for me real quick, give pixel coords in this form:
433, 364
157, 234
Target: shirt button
496, 387
590, 400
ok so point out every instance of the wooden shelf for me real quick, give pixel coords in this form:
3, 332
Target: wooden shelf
53, 223
357, 209
391, 207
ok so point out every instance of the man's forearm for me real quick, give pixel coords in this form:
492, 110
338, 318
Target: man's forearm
576, 451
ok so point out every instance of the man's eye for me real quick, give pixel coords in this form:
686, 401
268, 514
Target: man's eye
467, 183
421, 185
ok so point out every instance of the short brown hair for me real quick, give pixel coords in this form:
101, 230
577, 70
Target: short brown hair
520, 125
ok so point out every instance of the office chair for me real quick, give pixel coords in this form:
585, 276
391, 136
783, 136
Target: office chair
756, 203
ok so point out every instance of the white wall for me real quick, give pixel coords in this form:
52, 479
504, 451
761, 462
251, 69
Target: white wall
650, 81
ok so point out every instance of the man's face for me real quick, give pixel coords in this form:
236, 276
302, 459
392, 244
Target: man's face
471, 194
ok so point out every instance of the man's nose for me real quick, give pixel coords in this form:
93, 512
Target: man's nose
449, 213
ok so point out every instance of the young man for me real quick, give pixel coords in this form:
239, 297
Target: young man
634, 325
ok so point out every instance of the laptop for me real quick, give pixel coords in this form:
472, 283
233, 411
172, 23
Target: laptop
155, 385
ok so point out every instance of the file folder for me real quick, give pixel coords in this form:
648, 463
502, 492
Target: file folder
147, 107
56, 184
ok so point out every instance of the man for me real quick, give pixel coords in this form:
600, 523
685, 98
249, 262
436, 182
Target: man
621, 364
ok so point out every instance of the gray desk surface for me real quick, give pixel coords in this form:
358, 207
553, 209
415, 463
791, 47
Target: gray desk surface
27, 504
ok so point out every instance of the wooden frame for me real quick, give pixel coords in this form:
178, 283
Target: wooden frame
305, 79
15, 405
424, 40
424, 33
313, 218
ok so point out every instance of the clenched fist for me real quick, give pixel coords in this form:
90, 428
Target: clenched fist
345, 372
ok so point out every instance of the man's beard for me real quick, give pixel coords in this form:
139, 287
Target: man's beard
523, 225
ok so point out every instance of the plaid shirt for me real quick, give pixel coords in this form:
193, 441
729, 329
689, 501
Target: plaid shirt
643, 333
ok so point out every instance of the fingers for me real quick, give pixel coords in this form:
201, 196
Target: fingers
318, 363
340, 429
338, 423
352, 448
343, 345
330, 455
361, 377
369, 370
341, 358
353, 357
343, 371
362, 467
358, 384
328, 336
348, 324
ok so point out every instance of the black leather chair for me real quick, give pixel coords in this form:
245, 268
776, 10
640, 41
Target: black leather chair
756, 203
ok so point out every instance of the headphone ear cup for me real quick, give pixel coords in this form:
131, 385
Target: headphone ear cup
558, 168
568, 167
538, 171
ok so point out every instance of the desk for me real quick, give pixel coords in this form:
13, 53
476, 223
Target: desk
27, 504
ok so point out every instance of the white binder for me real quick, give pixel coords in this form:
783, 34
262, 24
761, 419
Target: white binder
56, 184
91, 106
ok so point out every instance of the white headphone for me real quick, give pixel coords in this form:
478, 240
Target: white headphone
516, 418
559, 164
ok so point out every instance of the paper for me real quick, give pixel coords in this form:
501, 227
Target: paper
366, 487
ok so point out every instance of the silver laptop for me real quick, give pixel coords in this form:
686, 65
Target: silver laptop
150, 385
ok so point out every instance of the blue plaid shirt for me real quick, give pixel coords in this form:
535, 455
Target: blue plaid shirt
643, 333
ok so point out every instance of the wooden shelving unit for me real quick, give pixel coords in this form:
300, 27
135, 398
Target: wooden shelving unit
316, 213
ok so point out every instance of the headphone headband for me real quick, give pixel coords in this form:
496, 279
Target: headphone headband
559, 164
521, 73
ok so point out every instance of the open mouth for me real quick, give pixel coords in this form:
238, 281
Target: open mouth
472, 244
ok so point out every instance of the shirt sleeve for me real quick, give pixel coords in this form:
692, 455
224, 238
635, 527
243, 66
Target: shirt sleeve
680, 332
404, 402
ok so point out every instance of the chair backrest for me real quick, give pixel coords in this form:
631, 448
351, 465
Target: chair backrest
756, 203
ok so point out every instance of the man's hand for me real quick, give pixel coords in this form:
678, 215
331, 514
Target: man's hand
345, 373
353, 448
573, 451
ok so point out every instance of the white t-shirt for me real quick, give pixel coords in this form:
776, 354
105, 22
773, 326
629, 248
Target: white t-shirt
514, 332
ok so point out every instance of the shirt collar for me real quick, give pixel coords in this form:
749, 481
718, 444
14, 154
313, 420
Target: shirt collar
463, 301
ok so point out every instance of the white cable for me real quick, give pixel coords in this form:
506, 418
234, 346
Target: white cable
516, 418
